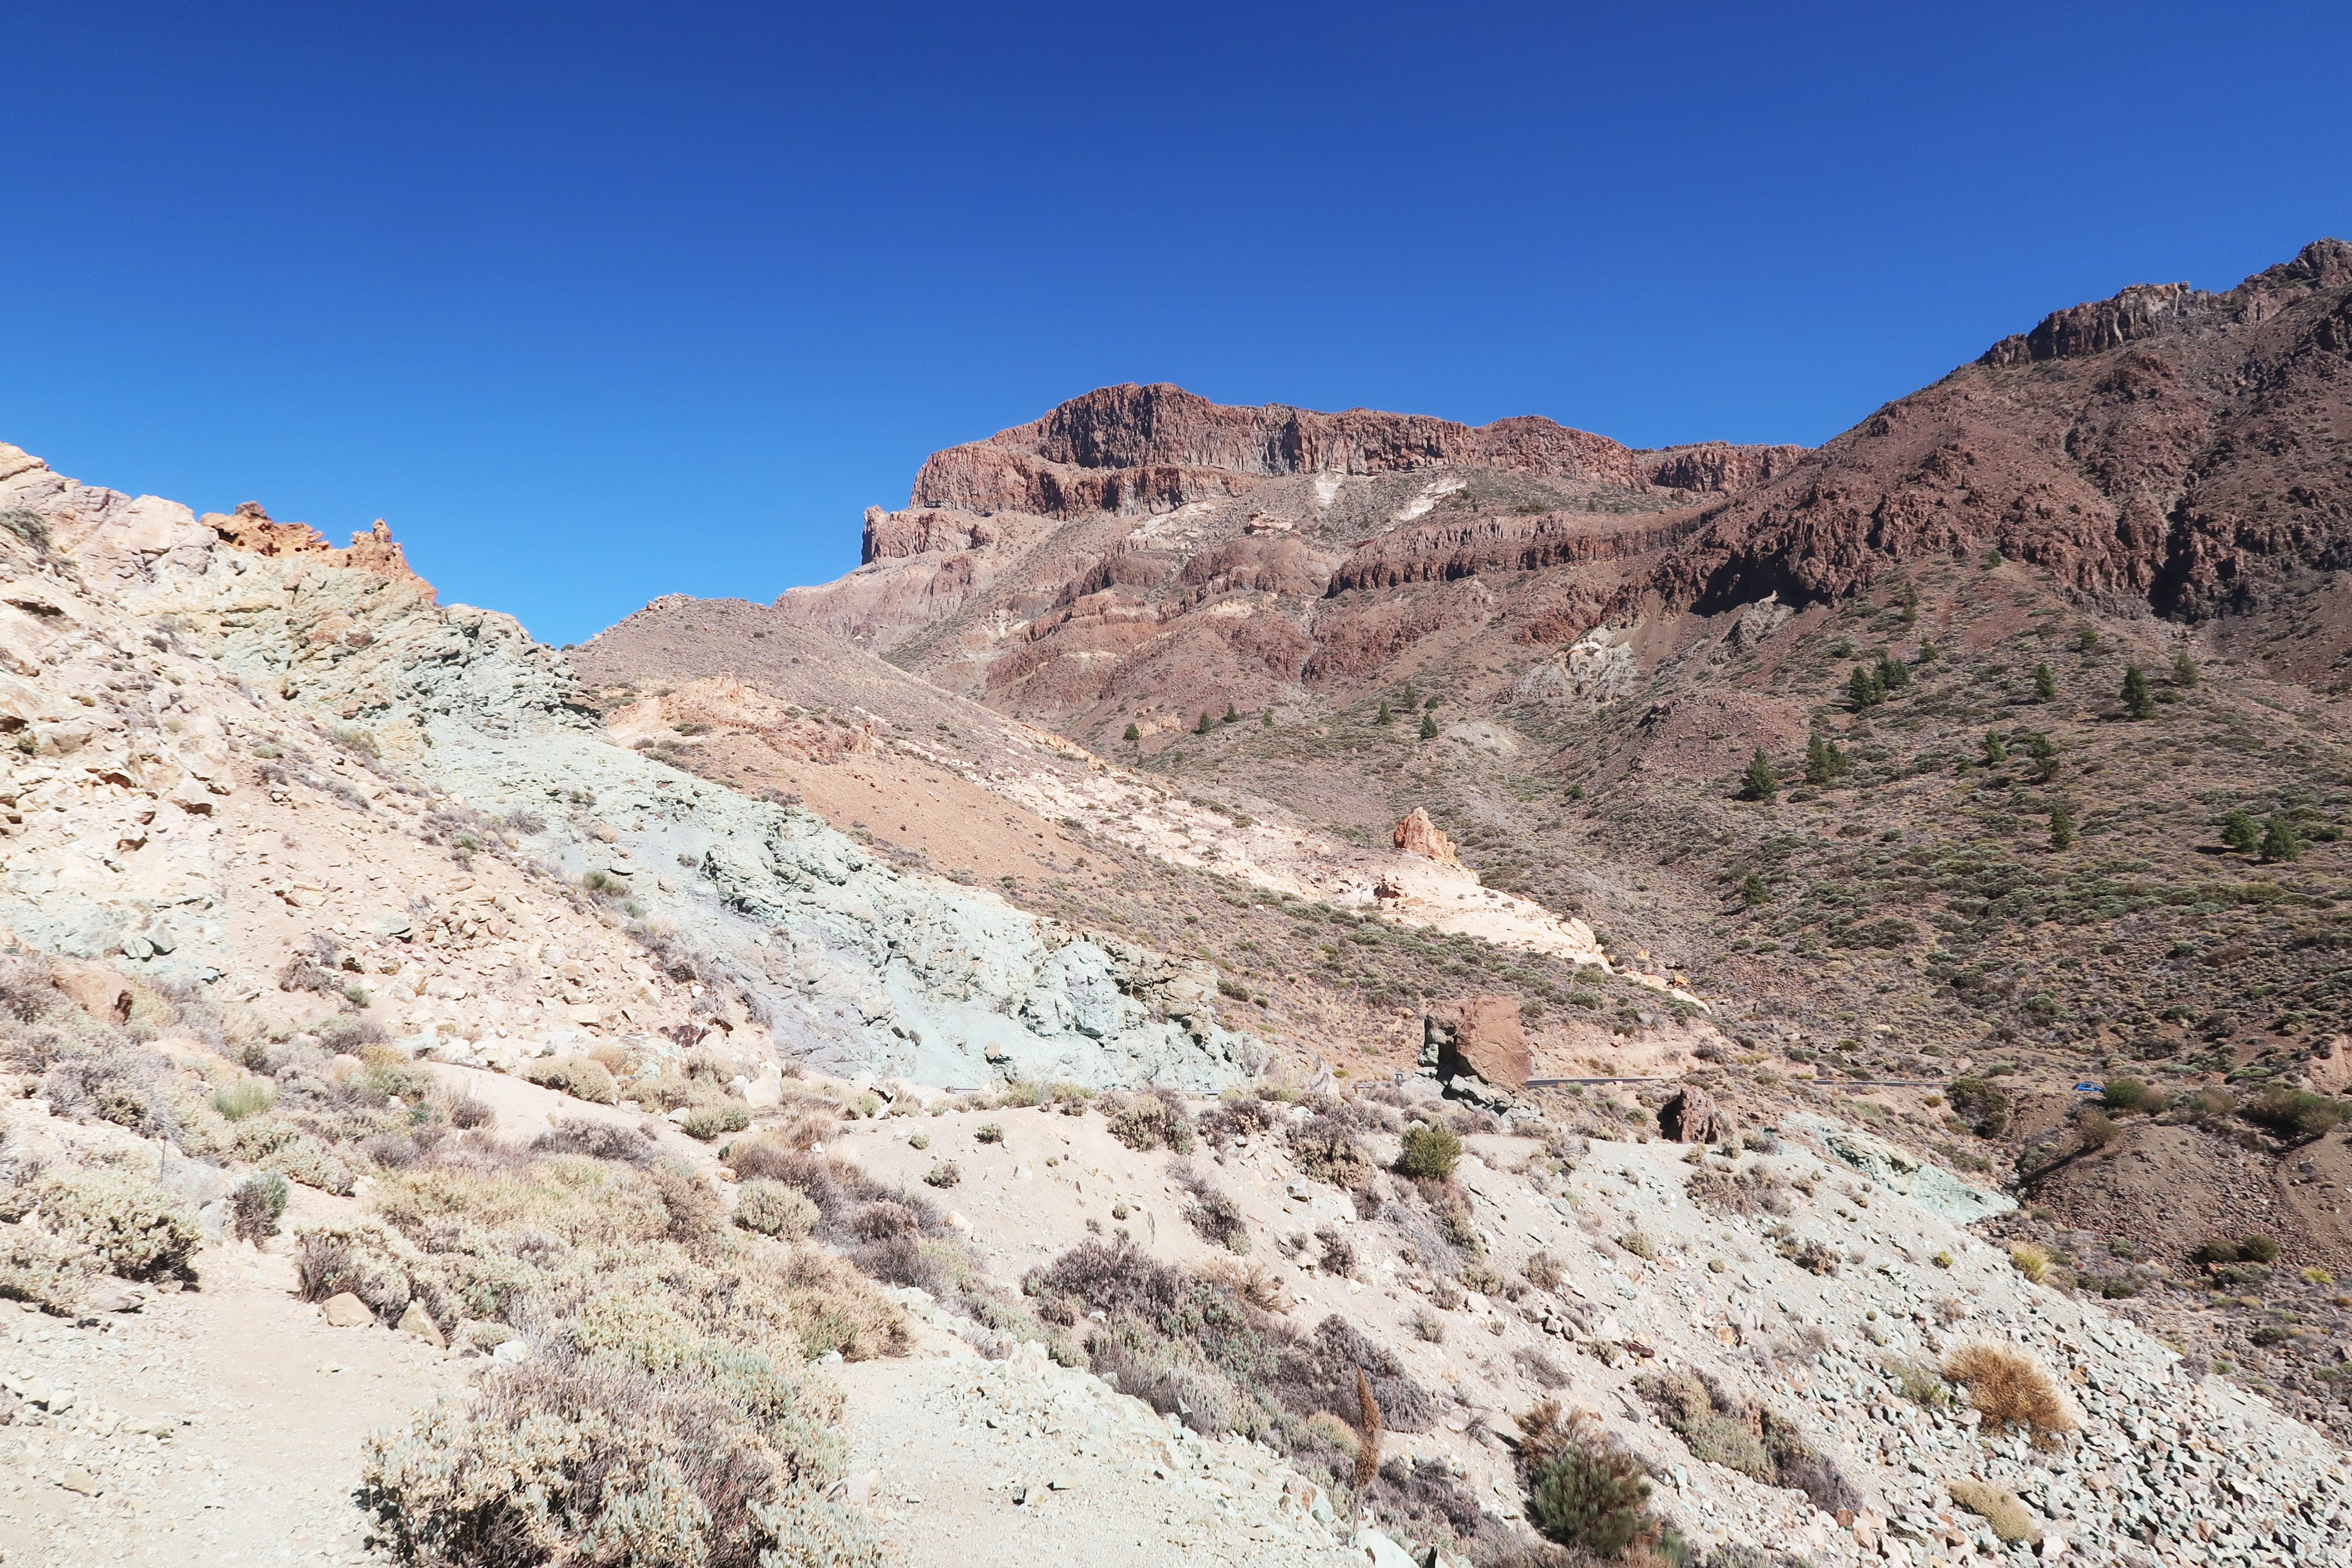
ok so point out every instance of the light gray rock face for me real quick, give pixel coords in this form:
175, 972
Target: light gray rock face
1932, 1187
852, 964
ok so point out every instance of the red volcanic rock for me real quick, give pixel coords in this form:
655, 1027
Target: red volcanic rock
1416, 835
1481, 1035
1692, 1117
1134, 449
2191, 450
251, 530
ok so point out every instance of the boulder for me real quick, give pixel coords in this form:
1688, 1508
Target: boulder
95, 988
418, 1321
1692, 1117
345, 1310
1480, 1037
2330, 1070
1417, 835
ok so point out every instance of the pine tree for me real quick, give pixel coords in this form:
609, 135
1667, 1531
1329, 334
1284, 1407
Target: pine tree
2280, 840
1230, 715
2045, 685
2137, 702
2086, 639
1893, 674
2045, 755
1752, 890
1759, 783
1132, 735
1430, 704
2062, 825
1995, 754
2184, 668
1385, 715
1202, 727
2239, 833
1267, 718
1824, 763
1927, 650
1910, 604
1428, 727
1411, 697
1863, 690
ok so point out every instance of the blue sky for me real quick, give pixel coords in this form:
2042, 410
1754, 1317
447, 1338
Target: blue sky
596, 302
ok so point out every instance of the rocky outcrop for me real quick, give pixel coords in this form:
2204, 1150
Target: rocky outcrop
1692, 1116
1132, 450
1415, 834
850, 964
1480, 1037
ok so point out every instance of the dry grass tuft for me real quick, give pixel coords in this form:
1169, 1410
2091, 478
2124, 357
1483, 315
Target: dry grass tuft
1998, 1507
2011, 1389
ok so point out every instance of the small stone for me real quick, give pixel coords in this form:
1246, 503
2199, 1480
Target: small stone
1061, 1483
74, 1479
512, 1352
345, 1310
418, 1321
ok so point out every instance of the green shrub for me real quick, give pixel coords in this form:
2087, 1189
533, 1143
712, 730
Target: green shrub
1593, 1499
2259, 1249
2131, 1094
579, 1077
1430, 1152
255, 1205
135, 1228
771, 1208
2297, 1112
708, 1121
245, 1097
1981, 1103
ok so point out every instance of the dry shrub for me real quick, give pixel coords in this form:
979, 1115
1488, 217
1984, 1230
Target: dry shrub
1338, 1254
841, 1192
1719, 1428
256, 1205
2029, 1260
38, 1267
1189, 1344
134, 1228
1586, 1496
1542, 1270
1998, 1507
579, 1077
1740, 1193
711, 1121
1252, 1282
467, 1114
1237, 1117
596, 1141
2011, 1389
1156, 1118
1213, 1215
123, 1085
599, 1458
775, 1209
1326, 1149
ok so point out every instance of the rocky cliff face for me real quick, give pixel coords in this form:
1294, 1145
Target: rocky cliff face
849, 962
1133, 449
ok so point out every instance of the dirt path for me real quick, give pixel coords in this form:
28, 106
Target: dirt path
966, 1463
220, 1426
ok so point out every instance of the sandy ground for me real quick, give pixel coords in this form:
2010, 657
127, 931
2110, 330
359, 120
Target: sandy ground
222, 1425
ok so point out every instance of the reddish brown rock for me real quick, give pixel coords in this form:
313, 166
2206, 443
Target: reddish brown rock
1416, 835
1692, 1117
2136, 446
1133, 449
95, 988
1480, 1035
